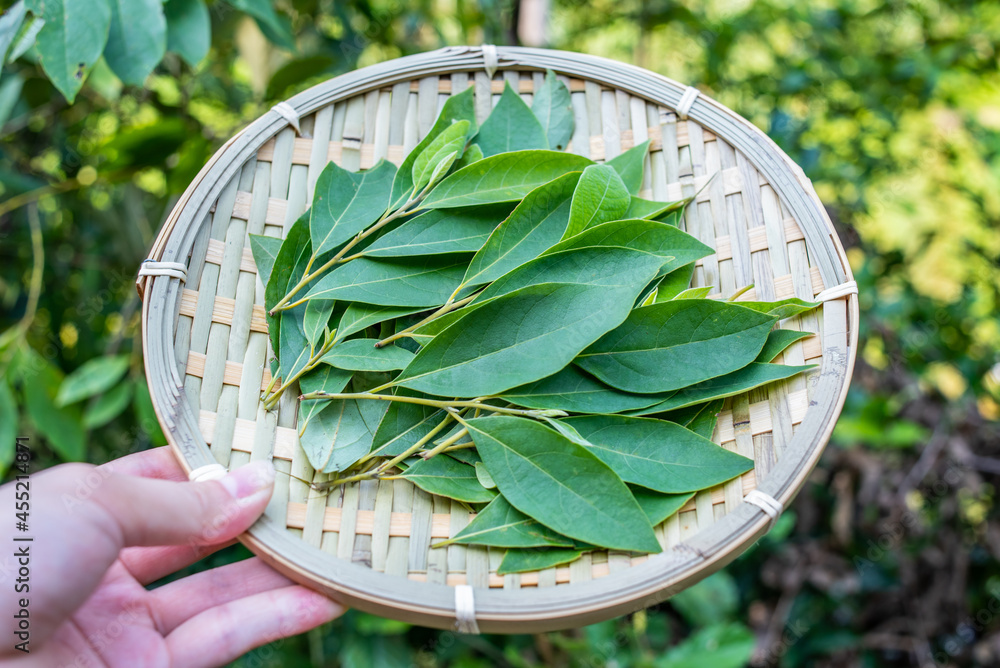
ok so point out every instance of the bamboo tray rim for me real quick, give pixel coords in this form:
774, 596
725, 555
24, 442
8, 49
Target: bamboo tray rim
434, 604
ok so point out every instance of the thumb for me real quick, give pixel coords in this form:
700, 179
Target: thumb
144, 511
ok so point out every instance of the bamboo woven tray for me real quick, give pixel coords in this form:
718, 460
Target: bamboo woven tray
205, 341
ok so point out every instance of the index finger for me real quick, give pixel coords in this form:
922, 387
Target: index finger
160, 463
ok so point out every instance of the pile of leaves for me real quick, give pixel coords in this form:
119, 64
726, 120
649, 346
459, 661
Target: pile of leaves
511, 326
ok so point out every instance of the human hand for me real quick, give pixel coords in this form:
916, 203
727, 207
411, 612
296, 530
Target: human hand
102, 533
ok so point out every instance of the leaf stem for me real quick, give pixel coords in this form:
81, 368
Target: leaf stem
413, 449
436, 403
447, 443
739, 292
448, 307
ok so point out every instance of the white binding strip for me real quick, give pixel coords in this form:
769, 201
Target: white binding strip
288, 112
207, 472
838, 291
687, 100
172, 269
771, 506
465, 610
490, 59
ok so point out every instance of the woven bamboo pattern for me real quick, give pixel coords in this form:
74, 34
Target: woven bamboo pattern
207, 346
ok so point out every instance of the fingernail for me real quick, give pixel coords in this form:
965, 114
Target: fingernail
247, 480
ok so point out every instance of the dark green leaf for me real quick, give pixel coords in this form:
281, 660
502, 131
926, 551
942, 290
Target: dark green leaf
439, 155
714, 600
777, 341
189, 29
674, 283
573, 391
337, 436
61, 426
286, 271
553, 108
403, 425
730, 646
8, 425
294, 350
275, 27
93, 377
400, 281
441, 231
630, 166
675, 344
361, 316
536, 224
265, 251
535, 559
347, 202
362, 355
659, 455
600, 196
557, 482
109, 406
502, 178
511, 126
657, 506
137, 39
502, 525
786, 308
71, 39
323, 378
446, 477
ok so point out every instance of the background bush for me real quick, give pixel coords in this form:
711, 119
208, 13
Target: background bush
889, 556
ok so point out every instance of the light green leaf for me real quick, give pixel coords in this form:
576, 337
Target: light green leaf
323, 378
659, 455
694, 293
553, 108
471, 155
630, 166
26, 37
484, 477
71, 40
502, 525
10, 24
441, 231
675, 344
347, 202
189, 29
573, 391
400, 281
531, 463
10, 94
729, 646
674, 283
8, 425
644, 208
265, 252
440, 154
403, 425
657, 506
777, 341
537, 223
482, 355
502, 178
511, 126
337, 436
526, 560
316, 319
93, 377
460, 107
361, 316
786, 308
446, 477
109, 406
137, 39
600, 196
362, 355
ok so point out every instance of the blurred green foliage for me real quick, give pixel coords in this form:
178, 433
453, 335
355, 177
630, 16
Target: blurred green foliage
893, 110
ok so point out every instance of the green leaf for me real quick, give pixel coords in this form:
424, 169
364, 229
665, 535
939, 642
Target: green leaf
403, 281
361, 316
511, 126
714, 600
527, 560
71, 40
446, 477
777, 341
471, 155
337, 436
553, 108
26, 37
742, 380
694, 293
484, 477
61, 426
786, 308
573, 391
137, 39
10, 95
93, 377
644, 208
287, 270
8, 425
189, 29
630, 166
600, 196
441, 231
675, 344
348, 202
362, 355
482, 355
700, 418
502, 178
275, 27
403, 425
674, 283
294, 349
109, 406
659, 455
502, 525
265, 252
10, 24
658, 507
536, 224
729, 646
316, 319
557, 482
460, 107
440, 154
142, 404
323, 378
